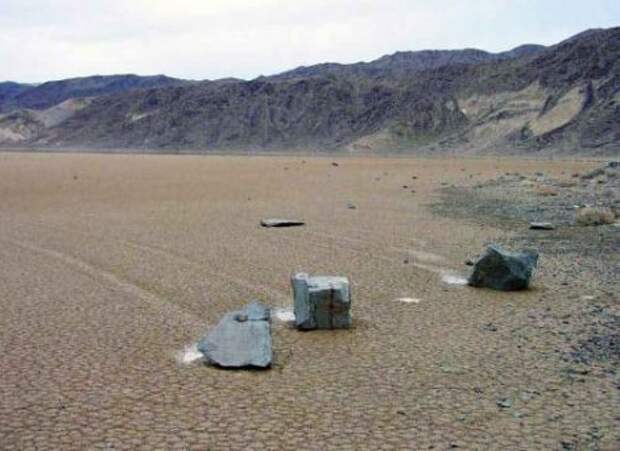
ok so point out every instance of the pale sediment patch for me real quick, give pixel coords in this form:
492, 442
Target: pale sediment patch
190, 354
408, 300
452, 278
284, 314
427, 257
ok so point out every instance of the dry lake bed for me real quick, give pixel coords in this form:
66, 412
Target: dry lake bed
112, 266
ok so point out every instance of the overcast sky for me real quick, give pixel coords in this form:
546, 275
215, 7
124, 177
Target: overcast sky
52, 39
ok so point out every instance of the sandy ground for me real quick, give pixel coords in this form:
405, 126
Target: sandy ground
111, 265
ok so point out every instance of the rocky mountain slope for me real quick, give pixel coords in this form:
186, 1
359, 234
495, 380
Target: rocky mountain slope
52, 93
404, 64
563, 98
9, 90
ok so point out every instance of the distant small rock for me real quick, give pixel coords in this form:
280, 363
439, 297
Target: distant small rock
334, 164
504, 403
541, 226
593, 174
490, 327
503, 270
279, 222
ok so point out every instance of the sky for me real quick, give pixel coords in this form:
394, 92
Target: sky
209, 39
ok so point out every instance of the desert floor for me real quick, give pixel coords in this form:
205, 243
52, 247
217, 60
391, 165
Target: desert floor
111, 265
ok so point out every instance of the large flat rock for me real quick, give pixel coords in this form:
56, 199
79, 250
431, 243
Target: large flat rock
241, 339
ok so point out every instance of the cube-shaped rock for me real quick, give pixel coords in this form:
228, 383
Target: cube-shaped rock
321, 302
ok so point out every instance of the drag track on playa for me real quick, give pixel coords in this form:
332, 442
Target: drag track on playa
111, 265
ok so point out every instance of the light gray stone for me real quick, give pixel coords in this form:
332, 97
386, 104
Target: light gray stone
321, 302
280, 222
241, 339
503, 270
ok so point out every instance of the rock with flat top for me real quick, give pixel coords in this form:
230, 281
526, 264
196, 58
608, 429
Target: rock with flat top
503, 270
241, 339
321, 302
280, 222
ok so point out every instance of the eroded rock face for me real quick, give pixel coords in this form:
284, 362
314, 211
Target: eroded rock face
241, 339
503, 270
321, 302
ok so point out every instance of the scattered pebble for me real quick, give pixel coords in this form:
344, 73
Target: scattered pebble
408, 300
504, 403
541, 226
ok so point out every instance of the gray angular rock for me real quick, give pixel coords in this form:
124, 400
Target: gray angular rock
321, 302
241, 339
279, 222
503, 270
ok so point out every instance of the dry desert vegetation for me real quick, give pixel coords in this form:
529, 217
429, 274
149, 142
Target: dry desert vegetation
112, 266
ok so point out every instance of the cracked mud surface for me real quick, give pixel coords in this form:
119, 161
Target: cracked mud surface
110, 265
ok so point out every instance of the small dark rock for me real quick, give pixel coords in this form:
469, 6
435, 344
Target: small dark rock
490, 327
541, 226
504, 403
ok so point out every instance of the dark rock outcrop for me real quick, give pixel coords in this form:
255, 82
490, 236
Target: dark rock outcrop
503, 270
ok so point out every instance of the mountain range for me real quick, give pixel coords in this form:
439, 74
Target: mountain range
563, 99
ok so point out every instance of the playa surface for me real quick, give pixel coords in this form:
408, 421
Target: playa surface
111, 266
